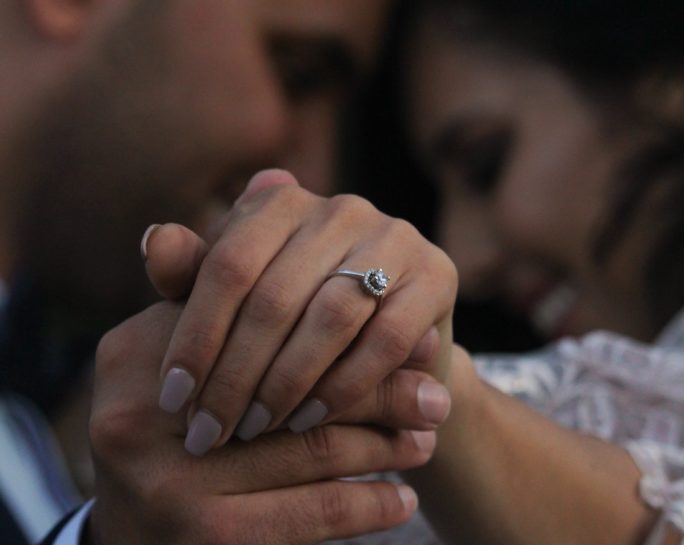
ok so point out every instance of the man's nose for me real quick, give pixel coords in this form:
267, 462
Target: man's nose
266, 130
310, 149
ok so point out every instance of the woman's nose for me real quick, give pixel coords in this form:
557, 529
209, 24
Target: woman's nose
470, 237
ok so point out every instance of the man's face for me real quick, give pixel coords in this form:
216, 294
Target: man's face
168, 119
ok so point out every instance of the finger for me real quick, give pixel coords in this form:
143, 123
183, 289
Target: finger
265, 322
385, 342
173, 255
262, 348
310, 514
264, 180
256, 232
422, 355
281, 459
406, 399
126, 389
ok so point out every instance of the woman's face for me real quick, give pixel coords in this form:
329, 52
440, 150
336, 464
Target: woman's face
526, 173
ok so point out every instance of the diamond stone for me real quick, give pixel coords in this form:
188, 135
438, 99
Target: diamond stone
376, 281
379, 280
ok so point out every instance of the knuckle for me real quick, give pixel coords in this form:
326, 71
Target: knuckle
440, 271
335, 509
350, 208
385, 400
269, 305
225, 383
404, 231
322, 445
110, 346
228, 266
386, 504
335, 310
349, 393
446, 269
394, 343
285, 382
111, 431
196, 349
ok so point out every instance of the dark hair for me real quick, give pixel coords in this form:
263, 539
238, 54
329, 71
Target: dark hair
627, 57
601, 40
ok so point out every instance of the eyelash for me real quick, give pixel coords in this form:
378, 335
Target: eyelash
301, 78
308, 71
484, 162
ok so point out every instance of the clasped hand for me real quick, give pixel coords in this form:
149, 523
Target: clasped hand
264, 324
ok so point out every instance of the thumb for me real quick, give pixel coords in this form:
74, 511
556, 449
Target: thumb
173, 255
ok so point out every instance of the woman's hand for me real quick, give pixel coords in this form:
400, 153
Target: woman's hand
267, 331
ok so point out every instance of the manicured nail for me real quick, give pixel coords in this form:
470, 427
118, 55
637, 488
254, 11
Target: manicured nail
146, 237
434, 402
203, 433
425, 440
176, 390
307, 416
408, 497
256, 420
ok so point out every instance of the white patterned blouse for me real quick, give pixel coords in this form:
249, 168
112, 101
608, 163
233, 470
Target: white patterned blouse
612, 387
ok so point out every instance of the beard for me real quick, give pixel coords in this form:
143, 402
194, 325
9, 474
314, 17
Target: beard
102, 160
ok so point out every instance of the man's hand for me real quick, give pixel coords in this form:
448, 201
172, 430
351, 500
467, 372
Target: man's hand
279, 489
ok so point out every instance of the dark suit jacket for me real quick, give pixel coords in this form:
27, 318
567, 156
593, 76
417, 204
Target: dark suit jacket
9, 531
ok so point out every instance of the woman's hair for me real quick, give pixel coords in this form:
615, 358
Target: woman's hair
626, 58
602, 40
629, 59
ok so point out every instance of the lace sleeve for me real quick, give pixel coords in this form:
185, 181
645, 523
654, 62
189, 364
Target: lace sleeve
535, 378
662, 483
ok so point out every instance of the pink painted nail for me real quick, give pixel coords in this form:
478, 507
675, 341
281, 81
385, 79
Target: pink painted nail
203, 433
176, 390
308, 416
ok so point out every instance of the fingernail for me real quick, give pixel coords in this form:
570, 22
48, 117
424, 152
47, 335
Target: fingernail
176, 389
408, 497
256, 420
146, 237
425, 440
203, 433
307, 416
434, 402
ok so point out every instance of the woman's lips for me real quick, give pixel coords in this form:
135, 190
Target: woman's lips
552, 313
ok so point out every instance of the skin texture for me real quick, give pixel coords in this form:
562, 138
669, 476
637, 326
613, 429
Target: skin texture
151, 490
588, 488
496, 460
526, 165
256, 313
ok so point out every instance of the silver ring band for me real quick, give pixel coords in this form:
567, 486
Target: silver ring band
373, 282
